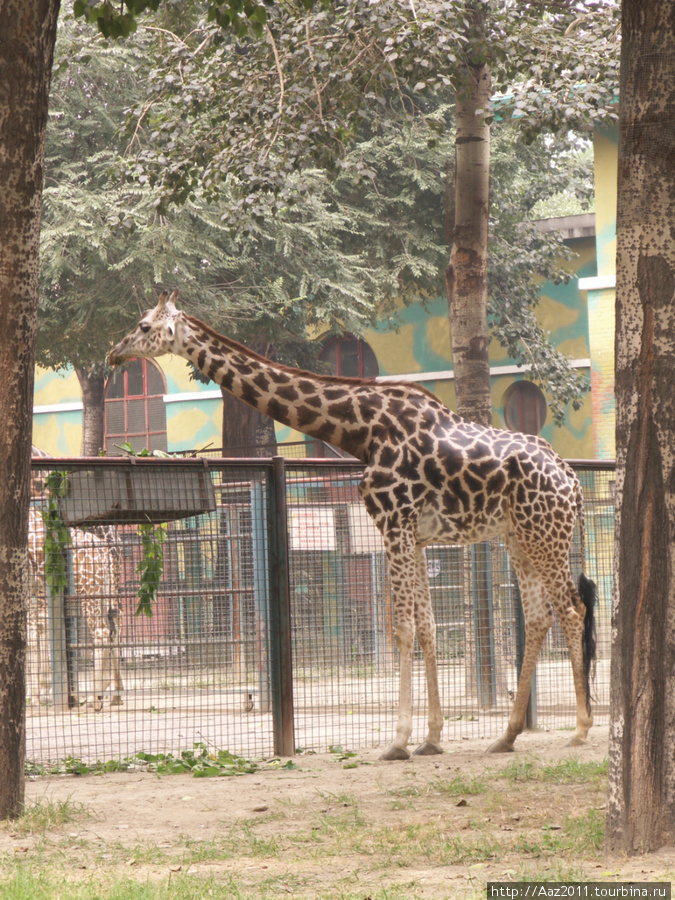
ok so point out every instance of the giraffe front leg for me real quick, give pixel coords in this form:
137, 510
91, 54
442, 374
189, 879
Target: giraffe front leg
400, 551
116, 679
101, 667
506, 742
425, 626
117, 685
405, 636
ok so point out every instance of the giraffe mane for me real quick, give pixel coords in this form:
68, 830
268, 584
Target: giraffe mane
324, 379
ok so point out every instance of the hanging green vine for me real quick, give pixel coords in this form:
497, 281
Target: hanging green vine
57, 535
151, 566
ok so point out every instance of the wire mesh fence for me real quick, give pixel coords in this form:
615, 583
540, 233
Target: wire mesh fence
272, 626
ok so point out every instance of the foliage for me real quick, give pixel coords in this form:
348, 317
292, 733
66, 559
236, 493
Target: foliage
363, 101
57, 535
295, 182
104, 246
112, 20
223, 106
150, 567
201, 761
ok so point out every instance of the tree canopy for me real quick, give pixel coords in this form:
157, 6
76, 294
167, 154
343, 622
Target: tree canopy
332, 248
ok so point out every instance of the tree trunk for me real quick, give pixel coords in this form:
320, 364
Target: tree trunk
466, 284
92, 384
466, 275
641, 809
246, 432
28, 29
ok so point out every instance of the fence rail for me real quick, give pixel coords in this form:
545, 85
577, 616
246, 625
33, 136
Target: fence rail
272, 628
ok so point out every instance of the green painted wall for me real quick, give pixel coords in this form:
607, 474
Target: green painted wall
602, 299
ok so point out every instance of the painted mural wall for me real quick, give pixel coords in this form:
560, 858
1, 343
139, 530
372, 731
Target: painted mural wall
601, 293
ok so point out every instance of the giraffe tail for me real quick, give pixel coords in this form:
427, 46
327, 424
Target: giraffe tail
589, 597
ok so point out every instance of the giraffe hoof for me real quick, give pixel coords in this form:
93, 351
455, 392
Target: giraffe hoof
117, 701
427, 749
576, 742
395, 753
501, 746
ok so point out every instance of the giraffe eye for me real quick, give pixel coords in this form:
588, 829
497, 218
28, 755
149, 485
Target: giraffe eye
145, 328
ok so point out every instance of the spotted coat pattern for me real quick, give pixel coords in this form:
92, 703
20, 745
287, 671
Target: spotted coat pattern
96, 585
429, 477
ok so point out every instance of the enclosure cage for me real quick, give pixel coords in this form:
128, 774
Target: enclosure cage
272, 629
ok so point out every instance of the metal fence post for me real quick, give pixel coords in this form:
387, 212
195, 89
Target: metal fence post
484, 626
260, 533
280, 613
56, 635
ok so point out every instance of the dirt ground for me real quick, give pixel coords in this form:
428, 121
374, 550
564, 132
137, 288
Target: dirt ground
343, 826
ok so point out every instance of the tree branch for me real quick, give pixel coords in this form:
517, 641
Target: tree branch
280, 73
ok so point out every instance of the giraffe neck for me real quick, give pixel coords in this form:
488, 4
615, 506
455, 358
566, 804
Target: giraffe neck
325, 407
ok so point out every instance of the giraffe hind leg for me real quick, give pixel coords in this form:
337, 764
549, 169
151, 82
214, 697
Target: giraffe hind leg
538, 615
577, 624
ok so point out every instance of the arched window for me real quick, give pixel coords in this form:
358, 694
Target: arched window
350, 357
525, 408
134, 407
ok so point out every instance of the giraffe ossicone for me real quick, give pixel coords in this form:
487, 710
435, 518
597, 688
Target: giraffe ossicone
430, 477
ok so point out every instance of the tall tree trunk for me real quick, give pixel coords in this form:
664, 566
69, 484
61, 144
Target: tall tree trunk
641, 810
92, 385
246, 432
466, 283
466, 275
28, 29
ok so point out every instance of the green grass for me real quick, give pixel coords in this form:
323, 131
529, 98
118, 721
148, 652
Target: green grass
46, 816
580, 835
26, 885
459, 786
567, 771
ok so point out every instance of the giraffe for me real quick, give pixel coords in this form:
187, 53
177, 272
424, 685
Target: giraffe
429, 477
96, 584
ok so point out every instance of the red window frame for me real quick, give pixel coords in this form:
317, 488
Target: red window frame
131, 400
337, 343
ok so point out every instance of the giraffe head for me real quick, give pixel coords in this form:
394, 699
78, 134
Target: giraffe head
153, 336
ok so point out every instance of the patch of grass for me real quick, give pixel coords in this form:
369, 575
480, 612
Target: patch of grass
47, 815
558, 872
459, 786
579, 835
337, 799
401, 845
566, 771
26, 885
